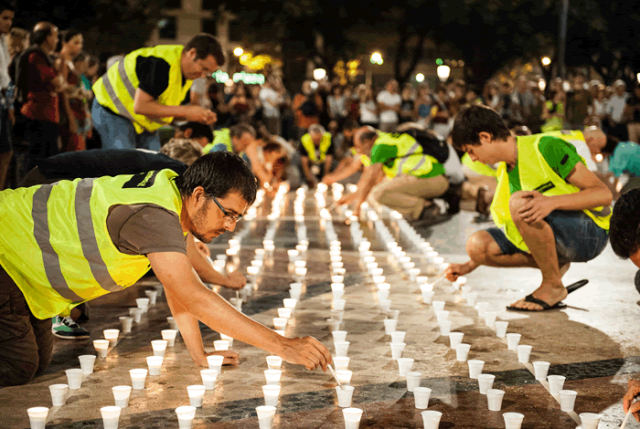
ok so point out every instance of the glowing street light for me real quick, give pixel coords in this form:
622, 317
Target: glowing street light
238, 51
443, 72
419, 78
376, 58
542, 84
319, 74
638, 77
546, 61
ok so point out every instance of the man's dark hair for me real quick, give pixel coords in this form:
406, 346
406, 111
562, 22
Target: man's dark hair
350, 124
476, 119
219, 173
624, 230
368, 136
240, 129
5, 5
205, 44
39, 36
198, 130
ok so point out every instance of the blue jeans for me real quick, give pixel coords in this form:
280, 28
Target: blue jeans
118, 132
578, 238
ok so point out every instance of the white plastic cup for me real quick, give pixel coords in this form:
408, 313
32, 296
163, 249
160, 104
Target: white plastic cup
172, 323
228, 339
455, 338
471, 298
121, 395
445, 328
59, 394
196, 395
482, 308
273, 376
338, 304
186, 414
438, 306
344, 376
475, 368
215, 362
341, 363
143, 304
344, 396
271, 394
442, 316
404, 366
284, 313
74, 378
352, 417
421, 395
38, 417
152, 295
222, 345
383, 295
102, 347
209, 377
512, 341
431, 419
398, 336
169, 335
396, 350
337, 279
274, 362
485, 382
159, 347
385, 305
334, 324
126, 323
86, 363
136, 313
462, 352
524, 352
555, 383
427, 296
155, 364
513, 420
567, 400
490, 318
111, 335
110, 416
413, 380
339, 335
138, 377
337, 295
501, 328
494, 398
590, 420
289, 303
390, 326
342, 347
266, 413
541, 369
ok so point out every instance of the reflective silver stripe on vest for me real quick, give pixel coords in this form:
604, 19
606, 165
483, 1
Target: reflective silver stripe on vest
132, 90
606, 211
419, 164
116, 101
406, 156
88, 240
42, 235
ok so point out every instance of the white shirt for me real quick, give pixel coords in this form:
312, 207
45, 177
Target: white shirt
268, 96
368, 113
453, 167
616, 105
583, 151
5, 60
200, 86
390, 100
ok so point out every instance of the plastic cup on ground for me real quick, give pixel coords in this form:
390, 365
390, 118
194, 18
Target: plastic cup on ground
482, 308
485, 382
143, 304
337, 279
590, 420
334, 324
455, 338
86, 363
341, 363
475, 368
121, 395
501, 328
490, 318
567, 400
339, 335
337, 295
215, 362
524, 352
413, 380
404, 366
392, 314
155, 364
159, 347
289, 303
152, 295
494, 398
344, 376
222, 345
337, 315
102, 347
396, 350
427, 296
266, 413
284, 313
383, 295
422, 279
438, 306
228, 339
185, 414
59, 394
431, 419
352, 417
385, 305
442, 316
398, 336
512, 341
111, 335
462, 352
445, 328
421, 395
541, 369
342, 347
555, 383
513, 420
169, 335
38, 417
126, 323
273, 376
110, 416
196, 395
390, 326
138, 377
344, 396
74, 378
136, 313
274, 362
209, 377
271, 394
471, 298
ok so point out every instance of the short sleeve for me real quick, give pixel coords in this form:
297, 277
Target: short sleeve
561, 156
153, 74
381, 152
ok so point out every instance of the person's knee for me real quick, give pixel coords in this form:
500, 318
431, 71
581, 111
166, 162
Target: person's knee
17, 373
516, 202
477, 246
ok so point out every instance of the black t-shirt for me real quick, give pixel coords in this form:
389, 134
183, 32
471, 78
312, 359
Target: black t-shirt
153, 75
634, 101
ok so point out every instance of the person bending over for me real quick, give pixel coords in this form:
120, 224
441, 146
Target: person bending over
316, 154
551, 208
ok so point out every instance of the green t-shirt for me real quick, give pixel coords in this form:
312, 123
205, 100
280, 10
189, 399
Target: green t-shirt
561, 156
382, 152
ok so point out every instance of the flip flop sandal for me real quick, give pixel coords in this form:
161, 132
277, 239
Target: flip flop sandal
545, 306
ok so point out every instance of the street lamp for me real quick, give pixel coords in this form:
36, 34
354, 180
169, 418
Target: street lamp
638, 77
319, 74
546, 61
443, 72
238, 51
419, 78
376, 58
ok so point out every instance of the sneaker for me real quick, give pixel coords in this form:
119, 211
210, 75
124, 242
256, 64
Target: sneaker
66, 328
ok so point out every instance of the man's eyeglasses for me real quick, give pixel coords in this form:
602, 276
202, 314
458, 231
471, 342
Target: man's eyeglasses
228, 217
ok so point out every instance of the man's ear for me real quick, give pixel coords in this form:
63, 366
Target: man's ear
485, 137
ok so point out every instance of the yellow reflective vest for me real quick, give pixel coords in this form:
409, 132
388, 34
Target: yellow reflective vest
325, 144
54, 241
222, 136
535, 175
364, 159
409, 159
116, 89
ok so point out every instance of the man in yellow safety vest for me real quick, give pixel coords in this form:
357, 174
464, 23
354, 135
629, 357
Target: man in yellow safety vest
551, 208
69, 242
316, 154
144, 91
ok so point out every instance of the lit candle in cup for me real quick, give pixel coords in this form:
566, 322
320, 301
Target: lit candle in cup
121, 395
110, 417
159, 347
271, 394
284, 313
272, 376
155, 364
138, 377
111, 335
169, 335
344, 376
209, 377
196, 395
102, 347
290, 303
185, 414
274, 362
215, 362
38, 417
352, 417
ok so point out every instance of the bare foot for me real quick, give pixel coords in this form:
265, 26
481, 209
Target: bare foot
456, 270
547, 293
